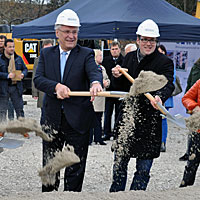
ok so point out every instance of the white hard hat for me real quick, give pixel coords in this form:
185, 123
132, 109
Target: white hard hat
148, 28
69, 18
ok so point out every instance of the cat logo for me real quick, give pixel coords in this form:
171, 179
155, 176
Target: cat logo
30, 51
30, 47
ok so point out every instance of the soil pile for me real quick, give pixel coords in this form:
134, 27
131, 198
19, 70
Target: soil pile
24, 125
147, 81
193, 122
62, 159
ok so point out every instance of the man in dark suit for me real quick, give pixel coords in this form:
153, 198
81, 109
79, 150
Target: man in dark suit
70, 117
109, 62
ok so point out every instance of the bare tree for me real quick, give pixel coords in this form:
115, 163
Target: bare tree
188, 6
20, 11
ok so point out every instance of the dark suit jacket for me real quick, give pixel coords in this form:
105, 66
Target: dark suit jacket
109, 63
4, 81
80, 71
147, 133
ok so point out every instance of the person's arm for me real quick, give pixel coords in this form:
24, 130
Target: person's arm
41, 82
189, 80
24, 69
3, 75
92, 71
189, 100
166, 68
94, 75
34, 90
106, 80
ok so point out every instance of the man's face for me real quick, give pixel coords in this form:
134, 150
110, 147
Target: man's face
99, 57
115, 51
2, 42
10, 48
147, 45
68, 36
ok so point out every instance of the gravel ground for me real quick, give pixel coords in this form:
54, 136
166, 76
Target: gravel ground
20, 180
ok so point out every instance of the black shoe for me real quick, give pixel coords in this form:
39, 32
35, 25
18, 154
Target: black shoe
106, 137
184, 157
163, 147
101, 143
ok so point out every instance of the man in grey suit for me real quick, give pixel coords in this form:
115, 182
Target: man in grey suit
70, 117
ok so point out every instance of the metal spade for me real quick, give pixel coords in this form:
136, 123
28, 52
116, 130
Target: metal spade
10, 143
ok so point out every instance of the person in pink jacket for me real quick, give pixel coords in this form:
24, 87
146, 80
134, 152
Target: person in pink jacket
191, 101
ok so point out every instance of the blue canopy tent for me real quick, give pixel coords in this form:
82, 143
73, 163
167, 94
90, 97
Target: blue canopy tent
117, 19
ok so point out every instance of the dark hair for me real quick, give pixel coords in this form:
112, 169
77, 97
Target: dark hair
8, 40
47, 41
115, 43
3, 37
162, 47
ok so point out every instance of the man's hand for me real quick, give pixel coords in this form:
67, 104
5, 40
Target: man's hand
105, 83
11, 75
156, 100
62, 91
96, 87
115, 71
21, 76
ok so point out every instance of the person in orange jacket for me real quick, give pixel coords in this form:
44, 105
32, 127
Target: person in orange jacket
191, 101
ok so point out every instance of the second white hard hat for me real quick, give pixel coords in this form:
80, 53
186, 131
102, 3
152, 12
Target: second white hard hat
68, 18
148, 28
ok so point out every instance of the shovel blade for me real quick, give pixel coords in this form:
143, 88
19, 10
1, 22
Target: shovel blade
10, 143
176, 120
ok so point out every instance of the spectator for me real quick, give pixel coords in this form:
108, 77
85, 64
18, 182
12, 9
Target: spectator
169, 103
115, 58
10, 82
99, 102
191, 101
192, 78
3, 38
130, 47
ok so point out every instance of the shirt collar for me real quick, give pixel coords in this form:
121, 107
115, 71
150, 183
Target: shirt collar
61, 50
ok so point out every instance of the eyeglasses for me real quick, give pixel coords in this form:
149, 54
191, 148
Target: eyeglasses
67, 32
151, 41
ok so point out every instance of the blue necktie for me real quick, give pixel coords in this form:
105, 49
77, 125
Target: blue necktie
62, 63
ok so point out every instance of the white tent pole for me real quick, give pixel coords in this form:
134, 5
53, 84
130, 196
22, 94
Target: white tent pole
102, 45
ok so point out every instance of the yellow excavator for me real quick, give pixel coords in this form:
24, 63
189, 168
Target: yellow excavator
28, 49
197, 15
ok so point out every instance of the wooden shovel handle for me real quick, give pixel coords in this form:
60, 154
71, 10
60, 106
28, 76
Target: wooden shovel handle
99, 94
148, 95
126, 75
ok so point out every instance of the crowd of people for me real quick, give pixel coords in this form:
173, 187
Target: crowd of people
78, 120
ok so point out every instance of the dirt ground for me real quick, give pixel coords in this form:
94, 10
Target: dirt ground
19, 170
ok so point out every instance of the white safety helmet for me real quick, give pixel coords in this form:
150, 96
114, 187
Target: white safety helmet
148, 28
68, 18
